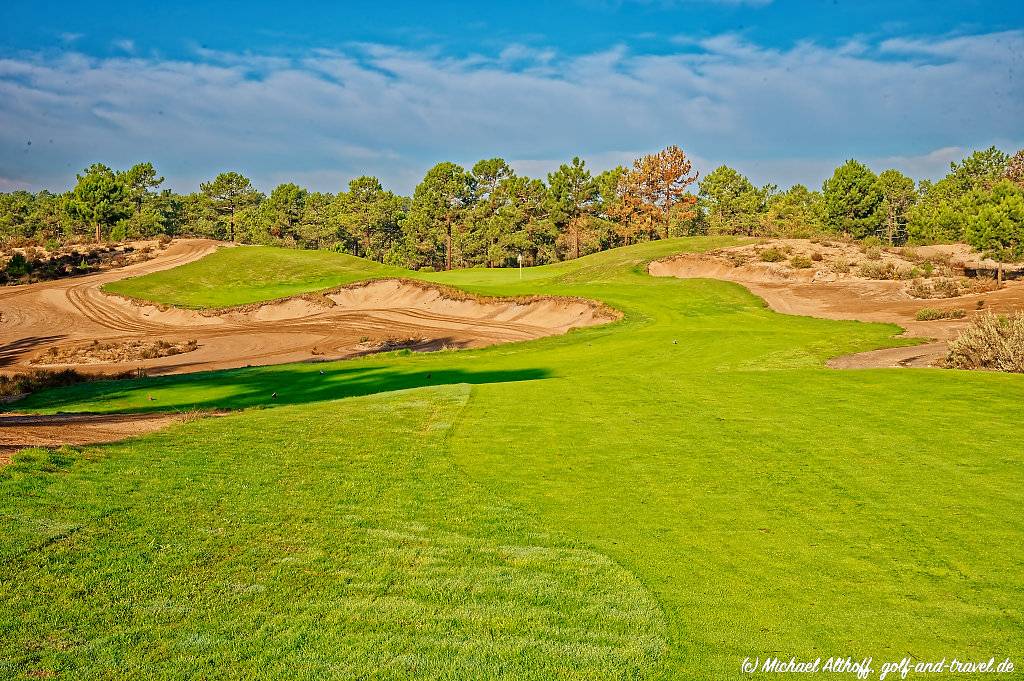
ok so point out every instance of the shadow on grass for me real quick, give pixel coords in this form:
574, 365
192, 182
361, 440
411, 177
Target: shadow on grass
258, 387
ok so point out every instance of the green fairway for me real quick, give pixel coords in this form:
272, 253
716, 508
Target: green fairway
659, 497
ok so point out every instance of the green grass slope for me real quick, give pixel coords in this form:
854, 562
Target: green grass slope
604, 504
249, 274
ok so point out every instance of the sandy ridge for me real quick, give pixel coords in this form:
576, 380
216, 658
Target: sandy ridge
333, 324
813, 292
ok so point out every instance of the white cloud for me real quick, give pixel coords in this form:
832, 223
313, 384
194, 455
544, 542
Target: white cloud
125, 45
789, 115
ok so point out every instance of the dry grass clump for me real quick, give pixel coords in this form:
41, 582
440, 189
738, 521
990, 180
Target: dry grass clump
800, 262
736, 258
390, 344
880, 269
936, 288
928, 314
772, 255
994, 342
840, 266
950, 287
126, 351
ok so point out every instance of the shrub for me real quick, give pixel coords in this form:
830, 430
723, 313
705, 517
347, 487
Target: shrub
771, 255
879, 270
18, 266
873, 253
946, 288
817, 256
20, 384
840, 266
800, 262
928, 314
427, 268
870, 242
993, 342
935, 288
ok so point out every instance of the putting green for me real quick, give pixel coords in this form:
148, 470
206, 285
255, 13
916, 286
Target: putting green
656, 498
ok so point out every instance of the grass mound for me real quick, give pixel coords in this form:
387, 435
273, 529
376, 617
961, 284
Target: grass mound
249, 274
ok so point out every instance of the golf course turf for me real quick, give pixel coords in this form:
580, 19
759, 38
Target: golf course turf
659, 497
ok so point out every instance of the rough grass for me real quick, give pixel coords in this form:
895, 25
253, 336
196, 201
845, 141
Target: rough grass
655, 498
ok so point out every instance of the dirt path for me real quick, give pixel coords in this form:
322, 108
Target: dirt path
70, 315
18, 431
802, 293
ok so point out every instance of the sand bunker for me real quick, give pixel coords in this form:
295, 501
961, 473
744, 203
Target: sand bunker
828, 280
72, 323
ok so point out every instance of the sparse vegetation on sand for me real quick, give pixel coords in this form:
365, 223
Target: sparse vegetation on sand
594, 505
992, 341
114, 352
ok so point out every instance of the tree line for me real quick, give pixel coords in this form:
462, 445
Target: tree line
490, 216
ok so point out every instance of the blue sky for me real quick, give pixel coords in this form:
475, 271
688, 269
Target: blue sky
321, 92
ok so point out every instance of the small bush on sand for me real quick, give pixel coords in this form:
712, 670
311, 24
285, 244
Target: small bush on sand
936, 288
800, 262
879, 270
840, 266
771, 255
817, 256
873, 253
928, 314
992, 341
